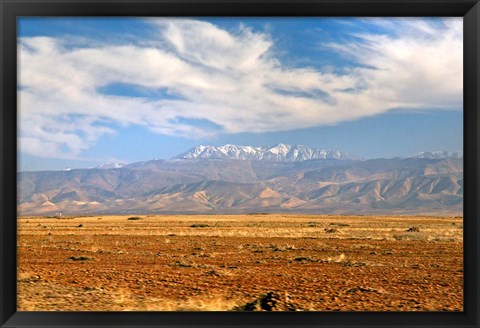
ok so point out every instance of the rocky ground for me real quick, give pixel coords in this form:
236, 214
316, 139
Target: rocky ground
240, 262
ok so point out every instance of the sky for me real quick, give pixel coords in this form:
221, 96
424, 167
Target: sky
96, 90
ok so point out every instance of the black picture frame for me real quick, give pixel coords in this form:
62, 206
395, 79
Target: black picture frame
10, 10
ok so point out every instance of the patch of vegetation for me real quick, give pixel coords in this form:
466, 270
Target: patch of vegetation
354, 264
80, 258
283, 248
330, 230
134, 218
202, 255
182, 264
269, 301
409, 236
364, 246
303, 259
212, 273
413, 229
340, 224
199, 225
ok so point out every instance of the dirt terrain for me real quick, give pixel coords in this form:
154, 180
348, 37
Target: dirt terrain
240, 262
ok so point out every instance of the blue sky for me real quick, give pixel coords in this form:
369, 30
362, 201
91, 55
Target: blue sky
94, 90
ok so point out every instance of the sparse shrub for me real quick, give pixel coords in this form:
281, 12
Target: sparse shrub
212, 273
401, 237
411, 236
304, 259
364, 290
199, 225
337, 259
269, 301
413, 229
298, 259
134, 218
80, 258
284, 248
364, 246
202, 255
354, 264
330, 230
340, 224
80, 225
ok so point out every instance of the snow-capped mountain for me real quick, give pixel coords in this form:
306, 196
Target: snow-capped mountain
110, 166
438, 154
280, 152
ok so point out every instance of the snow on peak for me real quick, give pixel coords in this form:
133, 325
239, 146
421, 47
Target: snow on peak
280, 149
110, 165
439, 154
279, 152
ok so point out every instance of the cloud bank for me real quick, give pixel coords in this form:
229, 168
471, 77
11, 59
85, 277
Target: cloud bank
199, 80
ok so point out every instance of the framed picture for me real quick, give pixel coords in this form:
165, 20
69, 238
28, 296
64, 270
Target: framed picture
193, 163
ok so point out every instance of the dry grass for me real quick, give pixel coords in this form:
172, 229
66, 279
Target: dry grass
219, 262
287, 226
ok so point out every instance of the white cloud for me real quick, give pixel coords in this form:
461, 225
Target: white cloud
230, 78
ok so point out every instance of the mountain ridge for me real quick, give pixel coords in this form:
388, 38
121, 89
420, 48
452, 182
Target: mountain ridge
279, 152
438, 154
379, 186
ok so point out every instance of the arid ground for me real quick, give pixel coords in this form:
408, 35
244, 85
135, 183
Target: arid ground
240, 262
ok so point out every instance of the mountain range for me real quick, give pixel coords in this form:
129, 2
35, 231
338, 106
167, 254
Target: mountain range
280, 152
244, 179
438, 154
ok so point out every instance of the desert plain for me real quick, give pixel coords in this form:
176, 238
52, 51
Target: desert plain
254, 262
